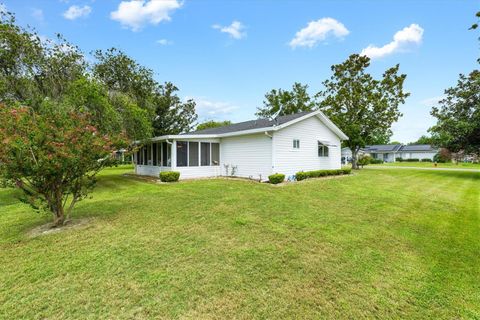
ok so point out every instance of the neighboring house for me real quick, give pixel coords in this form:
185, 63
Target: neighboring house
252, 149
390, 152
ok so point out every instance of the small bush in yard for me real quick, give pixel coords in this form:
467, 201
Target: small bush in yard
376, 161
347, 171
426, 160
169, 176
276, 178
301, 176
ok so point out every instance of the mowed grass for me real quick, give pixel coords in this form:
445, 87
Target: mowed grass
384, 244
450, 165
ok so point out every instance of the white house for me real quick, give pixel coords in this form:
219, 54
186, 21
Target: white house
391, 152
252, 149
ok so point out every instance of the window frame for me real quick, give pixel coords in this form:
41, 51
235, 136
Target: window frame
325, 153
296, 144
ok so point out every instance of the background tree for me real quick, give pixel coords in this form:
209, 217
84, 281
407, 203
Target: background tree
360, 105
172, 115
212, 124
123, 76
458, 116
424, 140
290, 102
52, 155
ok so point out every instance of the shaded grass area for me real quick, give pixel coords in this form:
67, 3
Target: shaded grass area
388, 244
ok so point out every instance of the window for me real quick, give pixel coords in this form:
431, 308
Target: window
182, 153
154, 151
322, 150
166, 161
193, 154
145, 155
205, 153
215, 154
137, 158
296, 144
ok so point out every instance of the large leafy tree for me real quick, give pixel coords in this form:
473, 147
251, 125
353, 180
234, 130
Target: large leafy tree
362, 106
32, 68
458, 116
283, 102
52, 154
213, 124
123, 76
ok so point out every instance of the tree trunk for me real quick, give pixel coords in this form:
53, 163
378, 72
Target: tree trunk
57, 209
354, 159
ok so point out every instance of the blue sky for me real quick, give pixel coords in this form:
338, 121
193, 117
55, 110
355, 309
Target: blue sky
228, 54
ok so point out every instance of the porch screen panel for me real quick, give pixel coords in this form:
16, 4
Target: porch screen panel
159, 154
205, 153
215, 154
166, 154
145, 155
193, 154
182, 153
154, 151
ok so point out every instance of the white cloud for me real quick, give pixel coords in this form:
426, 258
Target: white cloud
412, 34
208, 109
431, 102
235, 30
317, 31
37, 14
75, 12
164, 42
135, 14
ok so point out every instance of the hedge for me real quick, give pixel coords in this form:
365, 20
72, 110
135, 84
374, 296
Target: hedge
412, 160
426, 160
302, 175
276, 178
376, 161
169, 176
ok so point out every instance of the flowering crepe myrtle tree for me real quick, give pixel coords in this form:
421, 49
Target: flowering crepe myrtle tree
53, 156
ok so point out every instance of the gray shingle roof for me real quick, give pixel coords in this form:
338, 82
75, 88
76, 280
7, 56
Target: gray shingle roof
383, 148
252, 124
419, 147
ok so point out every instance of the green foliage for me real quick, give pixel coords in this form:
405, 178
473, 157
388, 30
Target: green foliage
399, 159
52, 154
213, 124
424, 140
443, 156
426, 160
294, 101
276, 178
172, 115
364, 159
32, 69
302, 175
376, 161
169, 176
412, 160
364, 108
458, 116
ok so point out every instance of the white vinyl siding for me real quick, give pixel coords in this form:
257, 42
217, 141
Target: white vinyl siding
309, 131
251, 154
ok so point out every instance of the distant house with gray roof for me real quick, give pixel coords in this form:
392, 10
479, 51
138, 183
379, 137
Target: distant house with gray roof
390, 152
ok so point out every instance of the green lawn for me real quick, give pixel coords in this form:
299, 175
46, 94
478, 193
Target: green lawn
462, 165
384, 244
